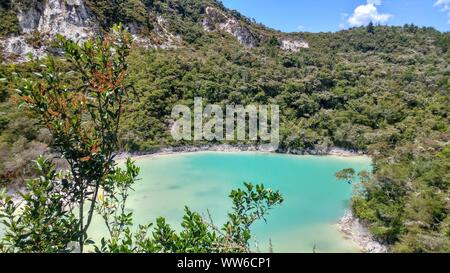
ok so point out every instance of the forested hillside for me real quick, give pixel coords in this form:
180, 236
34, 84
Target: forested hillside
382, 90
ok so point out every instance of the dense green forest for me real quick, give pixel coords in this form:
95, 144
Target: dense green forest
378, 89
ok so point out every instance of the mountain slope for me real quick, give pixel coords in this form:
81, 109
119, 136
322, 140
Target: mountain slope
31, 24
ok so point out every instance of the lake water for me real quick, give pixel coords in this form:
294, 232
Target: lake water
314, 199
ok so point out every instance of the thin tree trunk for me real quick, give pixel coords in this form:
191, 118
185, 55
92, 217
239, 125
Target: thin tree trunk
81, 237
91, 209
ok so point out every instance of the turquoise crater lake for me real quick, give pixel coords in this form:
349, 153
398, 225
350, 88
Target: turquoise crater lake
314, 199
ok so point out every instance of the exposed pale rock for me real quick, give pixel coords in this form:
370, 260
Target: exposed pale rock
165, 39
218, 20
356, 231
293, 45
70, 18
18, 47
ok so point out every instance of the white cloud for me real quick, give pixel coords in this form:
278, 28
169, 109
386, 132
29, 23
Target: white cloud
301, 27
445, 6
364, 14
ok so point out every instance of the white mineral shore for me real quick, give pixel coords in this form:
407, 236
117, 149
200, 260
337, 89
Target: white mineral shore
357, 232
237, 148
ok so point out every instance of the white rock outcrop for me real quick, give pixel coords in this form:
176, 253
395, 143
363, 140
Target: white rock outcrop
293, 45
19, 46
218, 20
70, 18
356, 231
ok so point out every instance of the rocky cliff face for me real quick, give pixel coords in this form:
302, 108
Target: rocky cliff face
218, 20
67, 17
44, 19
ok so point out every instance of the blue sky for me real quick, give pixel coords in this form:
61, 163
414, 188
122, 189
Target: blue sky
333, 15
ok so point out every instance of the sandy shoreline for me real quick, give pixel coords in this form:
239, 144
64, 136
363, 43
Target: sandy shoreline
235, 149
